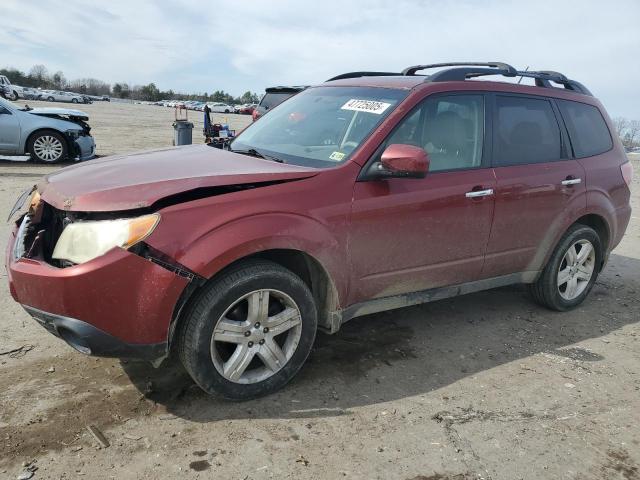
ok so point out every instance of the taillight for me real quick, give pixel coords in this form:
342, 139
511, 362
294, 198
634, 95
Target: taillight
627, 173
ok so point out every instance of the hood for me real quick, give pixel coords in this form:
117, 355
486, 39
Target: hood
59, 112
141, 179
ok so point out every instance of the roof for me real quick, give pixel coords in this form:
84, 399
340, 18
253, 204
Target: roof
399, 81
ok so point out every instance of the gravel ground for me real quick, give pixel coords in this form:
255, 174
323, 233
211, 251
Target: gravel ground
485, 386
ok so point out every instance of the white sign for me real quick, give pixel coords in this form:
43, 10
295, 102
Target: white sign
370, 106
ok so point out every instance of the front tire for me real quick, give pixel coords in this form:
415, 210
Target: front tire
74, 100
249, 331
571, 271
47, 146
13, 96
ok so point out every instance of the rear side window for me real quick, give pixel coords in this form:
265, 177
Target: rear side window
587, 129
271, 100
526, 131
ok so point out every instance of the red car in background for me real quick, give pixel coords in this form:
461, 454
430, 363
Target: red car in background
247, 109
363, 194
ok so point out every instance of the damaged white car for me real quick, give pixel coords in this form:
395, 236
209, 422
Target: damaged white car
48, 135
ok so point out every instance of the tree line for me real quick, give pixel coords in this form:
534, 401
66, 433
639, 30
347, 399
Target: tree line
39, 77
628, 131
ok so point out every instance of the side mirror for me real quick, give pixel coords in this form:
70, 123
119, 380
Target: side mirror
404, 161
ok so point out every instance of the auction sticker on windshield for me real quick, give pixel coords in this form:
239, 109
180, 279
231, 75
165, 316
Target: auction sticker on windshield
370, 106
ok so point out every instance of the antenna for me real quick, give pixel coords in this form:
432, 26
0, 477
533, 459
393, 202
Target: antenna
522, 76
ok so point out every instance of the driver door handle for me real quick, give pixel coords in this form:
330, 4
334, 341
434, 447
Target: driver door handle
572, 181
479, 193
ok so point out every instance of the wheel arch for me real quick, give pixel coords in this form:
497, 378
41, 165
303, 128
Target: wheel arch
308, 268
28, 138
600, 225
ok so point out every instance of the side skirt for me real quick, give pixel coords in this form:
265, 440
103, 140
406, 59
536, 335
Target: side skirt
415, 298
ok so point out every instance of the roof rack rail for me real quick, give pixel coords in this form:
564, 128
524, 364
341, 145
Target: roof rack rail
451, 74
465, 70
363, 74
545, 77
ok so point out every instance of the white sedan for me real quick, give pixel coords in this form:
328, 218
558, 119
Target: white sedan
220, 107
58, 96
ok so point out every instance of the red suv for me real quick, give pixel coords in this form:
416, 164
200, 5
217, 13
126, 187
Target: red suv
363, 194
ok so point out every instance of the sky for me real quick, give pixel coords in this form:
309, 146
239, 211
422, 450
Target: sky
206, 45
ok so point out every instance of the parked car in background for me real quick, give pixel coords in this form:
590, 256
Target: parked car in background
218, 107
60, 96
273, 97
356, 196
9, 91
48, 135
246, 109
27, 93
98, 98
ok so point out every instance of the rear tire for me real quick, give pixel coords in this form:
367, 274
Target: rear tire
571, 271
235, 345
13, 96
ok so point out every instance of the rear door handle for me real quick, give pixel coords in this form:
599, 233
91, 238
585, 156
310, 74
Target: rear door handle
572, 181
479, 193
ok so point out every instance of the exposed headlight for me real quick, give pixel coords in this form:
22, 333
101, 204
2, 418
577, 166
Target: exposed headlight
84, 241
73, 134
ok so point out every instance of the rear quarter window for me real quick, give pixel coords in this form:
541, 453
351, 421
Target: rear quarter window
588, 131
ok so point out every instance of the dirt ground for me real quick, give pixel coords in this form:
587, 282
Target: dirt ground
485, 386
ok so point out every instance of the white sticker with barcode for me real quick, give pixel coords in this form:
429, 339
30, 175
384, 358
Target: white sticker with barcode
370, 106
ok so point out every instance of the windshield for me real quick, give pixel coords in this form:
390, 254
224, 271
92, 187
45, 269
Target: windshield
320, 127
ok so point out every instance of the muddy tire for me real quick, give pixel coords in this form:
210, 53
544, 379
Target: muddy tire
249, 331
571, 271
47, 146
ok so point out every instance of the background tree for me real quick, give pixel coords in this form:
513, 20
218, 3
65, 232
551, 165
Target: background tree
628, 131
620, 124
58, 80
40, 75
632, 134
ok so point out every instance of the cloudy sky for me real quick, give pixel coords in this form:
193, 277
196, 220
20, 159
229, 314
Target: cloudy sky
197, 46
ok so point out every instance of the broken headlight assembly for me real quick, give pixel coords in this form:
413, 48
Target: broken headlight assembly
82, 241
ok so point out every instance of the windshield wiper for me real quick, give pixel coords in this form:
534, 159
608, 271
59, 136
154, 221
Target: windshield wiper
255, 153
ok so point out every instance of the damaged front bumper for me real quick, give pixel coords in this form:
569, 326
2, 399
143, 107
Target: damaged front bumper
84, 147
117, 305
87, 339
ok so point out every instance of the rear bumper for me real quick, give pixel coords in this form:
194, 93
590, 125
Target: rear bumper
119, 304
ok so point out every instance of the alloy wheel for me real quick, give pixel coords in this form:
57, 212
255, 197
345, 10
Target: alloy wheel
48, 148
576, 269
256, 336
